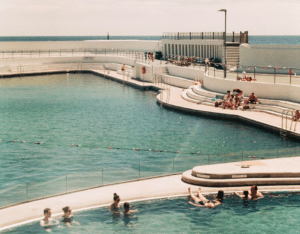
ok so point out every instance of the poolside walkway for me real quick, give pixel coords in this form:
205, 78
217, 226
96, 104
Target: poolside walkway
135, 190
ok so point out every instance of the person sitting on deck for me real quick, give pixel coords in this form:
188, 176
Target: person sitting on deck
252, 99
254, 193
229, 104
236, 102
296, 116
201, 201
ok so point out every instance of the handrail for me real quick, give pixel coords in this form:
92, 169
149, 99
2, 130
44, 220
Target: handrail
285, 115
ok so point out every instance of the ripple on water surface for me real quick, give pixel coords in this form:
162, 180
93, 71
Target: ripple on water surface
95, 113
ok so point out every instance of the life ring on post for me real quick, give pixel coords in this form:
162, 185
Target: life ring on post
143, 70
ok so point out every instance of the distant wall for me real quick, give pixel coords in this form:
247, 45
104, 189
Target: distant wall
133, 45
262, 90
186, 72
270, 55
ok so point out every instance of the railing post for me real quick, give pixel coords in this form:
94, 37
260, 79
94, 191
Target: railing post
26, 191
139, 170
214, 70
173, 166
274, 76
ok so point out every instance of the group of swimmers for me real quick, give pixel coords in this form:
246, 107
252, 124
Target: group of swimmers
66, 218
115, 206
234, 102
201, 201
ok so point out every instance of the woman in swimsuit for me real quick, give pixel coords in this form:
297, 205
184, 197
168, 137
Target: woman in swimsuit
116, 205
201, 201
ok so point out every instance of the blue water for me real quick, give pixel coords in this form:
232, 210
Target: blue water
87, 110
253, 39
276, 213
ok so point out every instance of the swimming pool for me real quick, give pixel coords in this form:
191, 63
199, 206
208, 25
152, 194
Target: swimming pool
94, 114
277, 212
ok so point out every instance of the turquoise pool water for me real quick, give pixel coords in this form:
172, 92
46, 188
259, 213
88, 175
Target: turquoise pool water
95, 113
276, 213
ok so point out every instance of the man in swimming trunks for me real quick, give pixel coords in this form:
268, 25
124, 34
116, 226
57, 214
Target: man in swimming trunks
201, 201
252, 99
47, 222
254, 193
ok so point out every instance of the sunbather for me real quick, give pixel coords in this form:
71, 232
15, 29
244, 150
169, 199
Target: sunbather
296, 115
201, 201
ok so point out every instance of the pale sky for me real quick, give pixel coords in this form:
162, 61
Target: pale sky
146, 17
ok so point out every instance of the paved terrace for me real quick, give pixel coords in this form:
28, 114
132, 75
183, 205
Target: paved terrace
155, 187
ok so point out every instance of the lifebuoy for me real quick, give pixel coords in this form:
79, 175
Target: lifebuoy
143, 70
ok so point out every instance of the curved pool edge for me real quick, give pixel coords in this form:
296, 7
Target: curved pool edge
150, 189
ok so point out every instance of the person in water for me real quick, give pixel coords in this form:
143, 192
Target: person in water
220, 196
127, 210
201, 201
244, 196
67, 217
47, 221
116, 205
254, 193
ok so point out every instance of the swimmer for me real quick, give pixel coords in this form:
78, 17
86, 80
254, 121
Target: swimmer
47, 222
254, 193
220, 196
201, 201
116, 205
67, 218
127, 210
244, 196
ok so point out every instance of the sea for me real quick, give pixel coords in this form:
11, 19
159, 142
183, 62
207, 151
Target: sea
253, 39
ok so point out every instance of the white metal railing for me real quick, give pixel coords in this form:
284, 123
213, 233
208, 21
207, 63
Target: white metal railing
288, 114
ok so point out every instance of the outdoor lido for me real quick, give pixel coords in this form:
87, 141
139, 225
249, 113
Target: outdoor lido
171, 129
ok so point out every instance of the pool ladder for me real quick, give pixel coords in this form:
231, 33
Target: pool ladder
162, 81
284, 122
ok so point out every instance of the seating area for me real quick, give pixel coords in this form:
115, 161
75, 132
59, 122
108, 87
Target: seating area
198, 94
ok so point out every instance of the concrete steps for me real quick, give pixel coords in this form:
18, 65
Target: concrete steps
275, 107
232, 55
281, 171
